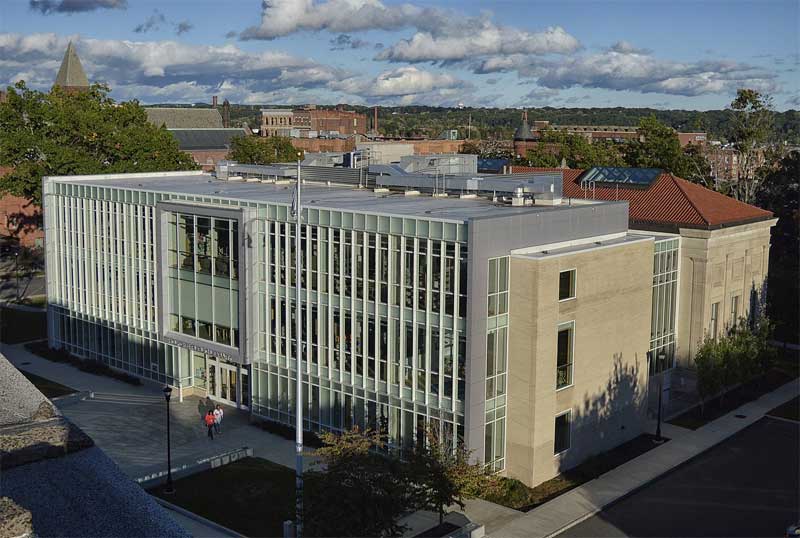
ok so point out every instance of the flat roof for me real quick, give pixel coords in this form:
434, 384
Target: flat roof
315, 194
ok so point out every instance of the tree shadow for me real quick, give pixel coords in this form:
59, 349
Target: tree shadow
29, 219
606, 420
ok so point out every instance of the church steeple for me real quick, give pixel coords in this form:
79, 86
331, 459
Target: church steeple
71, 76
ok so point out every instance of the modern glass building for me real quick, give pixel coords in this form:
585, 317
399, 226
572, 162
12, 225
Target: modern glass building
407, 288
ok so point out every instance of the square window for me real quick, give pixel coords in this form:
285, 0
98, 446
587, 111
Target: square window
566, 285
561, 438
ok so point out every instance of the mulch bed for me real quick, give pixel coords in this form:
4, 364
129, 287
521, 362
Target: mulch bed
518, 496
777, 376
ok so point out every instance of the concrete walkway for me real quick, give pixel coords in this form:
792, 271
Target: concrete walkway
583, 502
129, 422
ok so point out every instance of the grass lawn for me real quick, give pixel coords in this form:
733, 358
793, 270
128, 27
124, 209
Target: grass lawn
790, 410
517, 495
21, 326
785, 369
51, 389
252, 496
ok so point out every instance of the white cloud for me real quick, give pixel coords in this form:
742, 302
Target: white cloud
626, 47
626, 68
47, 7
441, 35
634, 71
483, 39
162, 71
283, 17
406, 85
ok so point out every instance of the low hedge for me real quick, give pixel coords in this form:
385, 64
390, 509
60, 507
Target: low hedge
90, 366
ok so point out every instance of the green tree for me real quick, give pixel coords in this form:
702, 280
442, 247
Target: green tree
576, 151
442, 475
358, 491
259, 150
64, 133
780, 194
708, 367
658, 147
751, 129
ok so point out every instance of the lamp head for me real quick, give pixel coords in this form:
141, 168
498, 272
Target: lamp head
167, 392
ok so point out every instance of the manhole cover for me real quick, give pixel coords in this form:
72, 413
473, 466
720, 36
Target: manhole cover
740, 416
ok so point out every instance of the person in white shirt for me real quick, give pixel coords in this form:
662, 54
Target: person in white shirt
218, 414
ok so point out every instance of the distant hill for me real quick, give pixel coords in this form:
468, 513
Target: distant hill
501, 122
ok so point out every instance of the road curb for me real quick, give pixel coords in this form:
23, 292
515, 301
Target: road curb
595, 511
188, 469
200, 519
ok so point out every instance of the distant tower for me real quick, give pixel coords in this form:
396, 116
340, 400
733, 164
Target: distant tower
71, 76
226, 114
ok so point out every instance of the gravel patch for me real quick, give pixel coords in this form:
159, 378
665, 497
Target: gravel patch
86, 494
19, 399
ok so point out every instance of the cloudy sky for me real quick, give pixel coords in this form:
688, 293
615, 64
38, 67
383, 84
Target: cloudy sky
562, 53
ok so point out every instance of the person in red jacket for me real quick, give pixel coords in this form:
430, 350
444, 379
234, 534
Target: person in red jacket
210, 424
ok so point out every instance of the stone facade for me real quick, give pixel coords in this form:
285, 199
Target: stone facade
607, 395
727, 267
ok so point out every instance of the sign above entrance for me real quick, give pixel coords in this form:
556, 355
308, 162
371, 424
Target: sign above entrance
199, 348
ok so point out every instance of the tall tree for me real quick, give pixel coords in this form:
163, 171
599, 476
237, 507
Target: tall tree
442, 475
781, 195
258, 150
64, 133
576, 151
359, 491
658, 147
750, 133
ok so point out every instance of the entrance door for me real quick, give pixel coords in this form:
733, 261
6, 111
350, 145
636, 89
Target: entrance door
228, 383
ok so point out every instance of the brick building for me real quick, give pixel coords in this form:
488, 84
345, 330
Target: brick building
526, 138
344, 122
20, 220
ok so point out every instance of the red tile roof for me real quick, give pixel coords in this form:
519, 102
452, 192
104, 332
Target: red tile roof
668, 201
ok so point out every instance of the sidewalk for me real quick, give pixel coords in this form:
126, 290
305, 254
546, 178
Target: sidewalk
585, 501
129, 422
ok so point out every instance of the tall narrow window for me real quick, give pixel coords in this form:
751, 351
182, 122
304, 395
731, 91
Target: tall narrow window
561, 438
714, 320
564, 357
734, 310
566, 285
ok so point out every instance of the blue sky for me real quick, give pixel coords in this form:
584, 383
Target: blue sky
675, 54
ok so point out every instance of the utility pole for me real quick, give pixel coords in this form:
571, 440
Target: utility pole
298, 361
469, 126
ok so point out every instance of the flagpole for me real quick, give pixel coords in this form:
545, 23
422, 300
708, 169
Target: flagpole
298, 363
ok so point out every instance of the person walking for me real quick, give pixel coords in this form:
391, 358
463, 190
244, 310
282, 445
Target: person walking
210, 424
217, 419
201, 410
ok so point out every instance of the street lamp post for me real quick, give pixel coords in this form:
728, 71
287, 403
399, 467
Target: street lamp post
659, 439
16, 273
298, 363
168, 489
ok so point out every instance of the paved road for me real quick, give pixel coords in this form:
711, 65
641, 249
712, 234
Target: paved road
745, 486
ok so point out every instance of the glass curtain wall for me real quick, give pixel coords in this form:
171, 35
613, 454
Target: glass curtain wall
202, 277
384, 332
661, 356
496, 364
